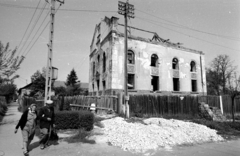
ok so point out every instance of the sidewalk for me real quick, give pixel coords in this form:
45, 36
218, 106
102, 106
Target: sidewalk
11, 143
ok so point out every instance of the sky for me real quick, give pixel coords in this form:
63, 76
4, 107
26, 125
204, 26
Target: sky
210, 26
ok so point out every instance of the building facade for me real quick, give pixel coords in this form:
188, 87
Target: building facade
154, 65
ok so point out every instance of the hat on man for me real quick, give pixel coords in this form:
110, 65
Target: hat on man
49, 102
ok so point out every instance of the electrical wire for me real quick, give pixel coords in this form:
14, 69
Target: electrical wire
146, 20
37, 30
28, 7
185, 27
32, 28
40, 34
29, 24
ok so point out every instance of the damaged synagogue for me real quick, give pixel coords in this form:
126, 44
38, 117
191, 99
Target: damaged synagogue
154, 65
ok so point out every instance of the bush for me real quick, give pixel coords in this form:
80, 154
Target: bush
86, 120
74, 120
3, 107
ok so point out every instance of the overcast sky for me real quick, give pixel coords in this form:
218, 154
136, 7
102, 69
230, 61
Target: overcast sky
211, 26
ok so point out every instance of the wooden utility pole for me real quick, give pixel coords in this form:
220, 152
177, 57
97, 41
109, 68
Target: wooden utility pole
49, 70
127, 10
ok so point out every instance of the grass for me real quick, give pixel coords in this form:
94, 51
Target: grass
228, 130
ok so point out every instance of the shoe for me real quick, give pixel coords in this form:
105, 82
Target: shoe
25, 153
42, 147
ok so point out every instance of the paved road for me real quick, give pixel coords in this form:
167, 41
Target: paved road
11, 144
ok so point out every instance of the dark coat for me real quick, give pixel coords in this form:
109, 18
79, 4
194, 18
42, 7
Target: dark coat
45, 113
23, 120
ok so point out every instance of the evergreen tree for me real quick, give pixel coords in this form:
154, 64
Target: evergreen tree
71, 78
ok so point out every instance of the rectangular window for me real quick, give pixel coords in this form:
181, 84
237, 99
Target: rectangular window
155, 83
194, 85
104, 86
176, 84
130, 81
98, 85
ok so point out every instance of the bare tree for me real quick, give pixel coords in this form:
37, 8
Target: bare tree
220, 71
233, 88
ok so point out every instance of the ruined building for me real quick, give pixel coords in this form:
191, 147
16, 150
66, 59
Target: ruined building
154, 65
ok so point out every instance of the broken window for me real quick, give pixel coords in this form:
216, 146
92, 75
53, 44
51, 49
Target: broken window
98, 58
130, 81
175, 64
194, 85
104, 62
98, 85
155, 83
93, 69
104, 86
154, 60
176, 84
130, 57
193, 66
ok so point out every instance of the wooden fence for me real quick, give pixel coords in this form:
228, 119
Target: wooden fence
63, 102
144, 104
106, 102
159, 105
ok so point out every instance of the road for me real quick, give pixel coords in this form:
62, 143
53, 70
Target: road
11, 144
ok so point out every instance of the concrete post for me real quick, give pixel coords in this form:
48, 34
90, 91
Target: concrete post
221, 106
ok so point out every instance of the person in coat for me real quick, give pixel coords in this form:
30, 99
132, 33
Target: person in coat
27, 123
46, 116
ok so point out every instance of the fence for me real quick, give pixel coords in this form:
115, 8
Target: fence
25, 102
159, 105
63, 102
150, 104
102, 102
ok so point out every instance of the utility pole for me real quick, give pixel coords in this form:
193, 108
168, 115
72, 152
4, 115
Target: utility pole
127, 10
49, 71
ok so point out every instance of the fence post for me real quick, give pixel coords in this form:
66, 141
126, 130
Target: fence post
221, 105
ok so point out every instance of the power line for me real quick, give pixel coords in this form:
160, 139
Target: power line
185, 27
32, 28
40, 33
29, 24
146, 20
28, 7
38, 30
37, 38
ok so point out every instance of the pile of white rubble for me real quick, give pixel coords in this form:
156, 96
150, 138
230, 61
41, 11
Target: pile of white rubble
156, 132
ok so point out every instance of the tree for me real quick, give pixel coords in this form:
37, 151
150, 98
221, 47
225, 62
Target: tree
9, 64
234, 90
60, 90
218, 74
71, 78
38, 82
8, 90
73, 86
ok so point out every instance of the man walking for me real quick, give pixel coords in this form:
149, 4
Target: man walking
46, 116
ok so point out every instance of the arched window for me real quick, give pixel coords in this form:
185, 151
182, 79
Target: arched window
130, 57
193, 66
104, 62
98, 58
154, 60
93, 69
175, 64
